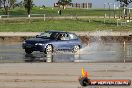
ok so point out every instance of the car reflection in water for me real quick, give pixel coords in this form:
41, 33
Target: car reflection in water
51, 57
34, 58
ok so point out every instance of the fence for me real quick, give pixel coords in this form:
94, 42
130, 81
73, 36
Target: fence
122, 22
44, 17
22, 16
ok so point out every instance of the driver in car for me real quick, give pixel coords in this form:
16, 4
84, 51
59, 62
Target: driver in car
61, 37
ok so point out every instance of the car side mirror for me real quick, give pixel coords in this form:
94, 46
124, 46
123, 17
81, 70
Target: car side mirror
37, 36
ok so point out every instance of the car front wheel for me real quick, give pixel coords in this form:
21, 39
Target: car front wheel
28, 51
49, 49
76, 48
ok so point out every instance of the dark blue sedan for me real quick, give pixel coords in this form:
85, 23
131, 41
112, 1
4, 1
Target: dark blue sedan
51, 41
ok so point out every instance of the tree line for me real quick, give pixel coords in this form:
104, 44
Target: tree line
28, 4
11, 4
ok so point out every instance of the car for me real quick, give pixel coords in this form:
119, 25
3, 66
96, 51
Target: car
51, 41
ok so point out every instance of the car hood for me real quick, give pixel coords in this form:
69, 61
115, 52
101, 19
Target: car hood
37, 40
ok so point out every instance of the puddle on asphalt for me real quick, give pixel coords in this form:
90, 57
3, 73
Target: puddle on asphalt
94, 52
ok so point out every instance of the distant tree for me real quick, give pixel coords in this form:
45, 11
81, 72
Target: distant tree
124, 4
64, 3
0, 3
12, 3
28, 5
20, 4
43, 6
7, 4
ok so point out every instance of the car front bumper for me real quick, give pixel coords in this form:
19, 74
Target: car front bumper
33, 47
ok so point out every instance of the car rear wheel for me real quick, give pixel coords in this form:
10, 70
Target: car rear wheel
49, 49
76, 48
28, 51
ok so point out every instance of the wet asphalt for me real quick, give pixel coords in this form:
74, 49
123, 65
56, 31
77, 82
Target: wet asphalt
93, 52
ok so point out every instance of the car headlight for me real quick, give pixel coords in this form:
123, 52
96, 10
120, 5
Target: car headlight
39, 44
24, 42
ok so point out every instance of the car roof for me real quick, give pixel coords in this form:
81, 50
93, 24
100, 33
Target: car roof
57, 31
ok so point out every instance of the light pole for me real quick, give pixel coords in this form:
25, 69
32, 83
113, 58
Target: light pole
114, 10
109, 9
105, 11
130, 13
119, 9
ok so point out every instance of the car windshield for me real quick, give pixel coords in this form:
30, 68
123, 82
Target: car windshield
50, 35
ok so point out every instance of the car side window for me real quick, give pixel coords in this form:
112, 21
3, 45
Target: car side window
60, 37
63, 36
66, 36
72, 36
44, 35
53, 35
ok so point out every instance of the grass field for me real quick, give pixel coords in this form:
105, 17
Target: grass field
26, 25
64, 25
67, 12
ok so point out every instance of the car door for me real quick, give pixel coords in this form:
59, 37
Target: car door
62, 43
73, 40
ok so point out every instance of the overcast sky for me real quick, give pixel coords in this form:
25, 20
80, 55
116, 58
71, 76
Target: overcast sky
96, 3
